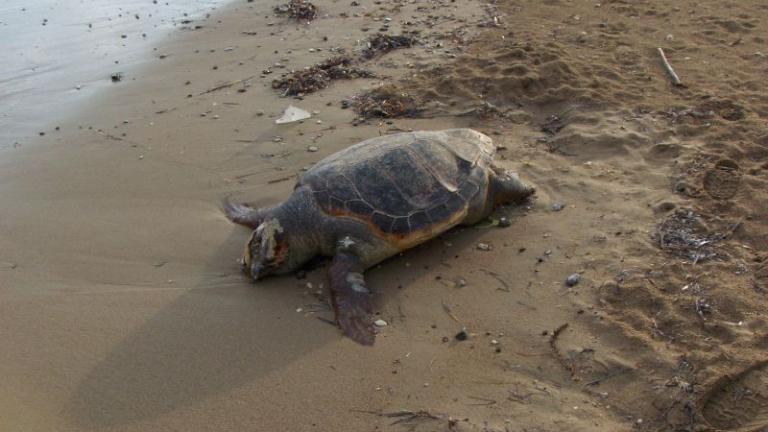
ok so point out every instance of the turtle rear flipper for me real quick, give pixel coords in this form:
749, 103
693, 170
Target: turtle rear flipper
351, 298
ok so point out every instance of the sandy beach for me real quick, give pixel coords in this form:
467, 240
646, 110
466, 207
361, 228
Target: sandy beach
122, 303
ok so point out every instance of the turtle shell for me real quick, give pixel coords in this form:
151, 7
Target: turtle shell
413, 184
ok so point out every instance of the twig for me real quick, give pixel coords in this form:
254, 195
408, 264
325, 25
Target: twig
675, 79
226, 85
485, 401
327, 321
516, 396
607, 377
530, 354
279, 180
450, 314
498, 278
553, 344
404, 416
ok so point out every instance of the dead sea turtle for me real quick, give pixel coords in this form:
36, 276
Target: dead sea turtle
371, 201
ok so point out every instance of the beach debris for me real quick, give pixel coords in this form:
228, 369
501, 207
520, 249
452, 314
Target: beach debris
300, 10
485, 247
411, 419
573, 280
702, 307
386, 102
116, 77
243, 81
293, 114
672, 75
685, 233
554, 124
380, 323
462, 335
558, 355
449, 312
383, 43
319, 76
505, 286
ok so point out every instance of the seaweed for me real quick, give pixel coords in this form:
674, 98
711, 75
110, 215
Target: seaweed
301, 10
383, 43
319, 76
387, 102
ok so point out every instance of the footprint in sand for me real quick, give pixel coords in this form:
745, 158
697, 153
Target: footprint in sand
739, 402
724, 180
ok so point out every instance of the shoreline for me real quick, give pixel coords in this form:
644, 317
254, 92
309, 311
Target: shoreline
61, 55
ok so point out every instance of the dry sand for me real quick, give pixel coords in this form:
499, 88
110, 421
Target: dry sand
123, 308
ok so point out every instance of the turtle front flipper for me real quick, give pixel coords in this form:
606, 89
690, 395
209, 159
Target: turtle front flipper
351, 298
243, 214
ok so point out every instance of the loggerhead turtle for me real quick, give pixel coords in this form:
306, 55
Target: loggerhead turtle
371, 201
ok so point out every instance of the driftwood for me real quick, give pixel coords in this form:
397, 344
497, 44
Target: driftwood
675, 79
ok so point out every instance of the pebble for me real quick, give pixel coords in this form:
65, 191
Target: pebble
573, 280
312, 149
462, 335
504, 222
558, 206
380, 323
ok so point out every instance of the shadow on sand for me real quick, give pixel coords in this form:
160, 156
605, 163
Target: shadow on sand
215, 337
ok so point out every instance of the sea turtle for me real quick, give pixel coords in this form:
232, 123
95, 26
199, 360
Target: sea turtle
371, 201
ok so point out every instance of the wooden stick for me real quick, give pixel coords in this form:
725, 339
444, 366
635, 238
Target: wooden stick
675, 79
227, 85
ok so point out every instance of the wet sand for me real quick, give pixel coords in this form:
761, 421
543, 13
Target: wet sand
57, 53
123, 307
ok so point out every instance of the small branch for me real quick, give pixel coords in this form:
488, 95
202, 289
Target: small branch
450, 313
498, 278
483, 401
675, 79
279, 180
560, 359
226, 85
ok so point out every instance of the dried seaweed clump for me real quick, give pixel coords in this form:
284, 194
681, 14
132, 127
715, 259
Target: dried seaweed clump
387, 102
383, 43
319, 76
685, 234
301, 10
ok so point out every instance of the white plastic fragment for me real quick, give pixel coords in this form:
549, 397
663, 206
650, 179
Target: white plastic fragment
293, 114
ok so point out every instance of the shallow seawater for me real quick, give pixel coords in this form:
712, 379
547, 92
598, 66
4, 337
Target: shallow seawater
54, 54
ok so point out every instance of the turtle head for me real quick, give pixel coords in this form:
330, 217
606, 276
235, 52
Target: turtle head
278, 246
267, 251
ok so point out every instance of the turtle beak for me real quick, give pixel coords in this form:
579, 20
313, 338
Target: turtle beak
256, 269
